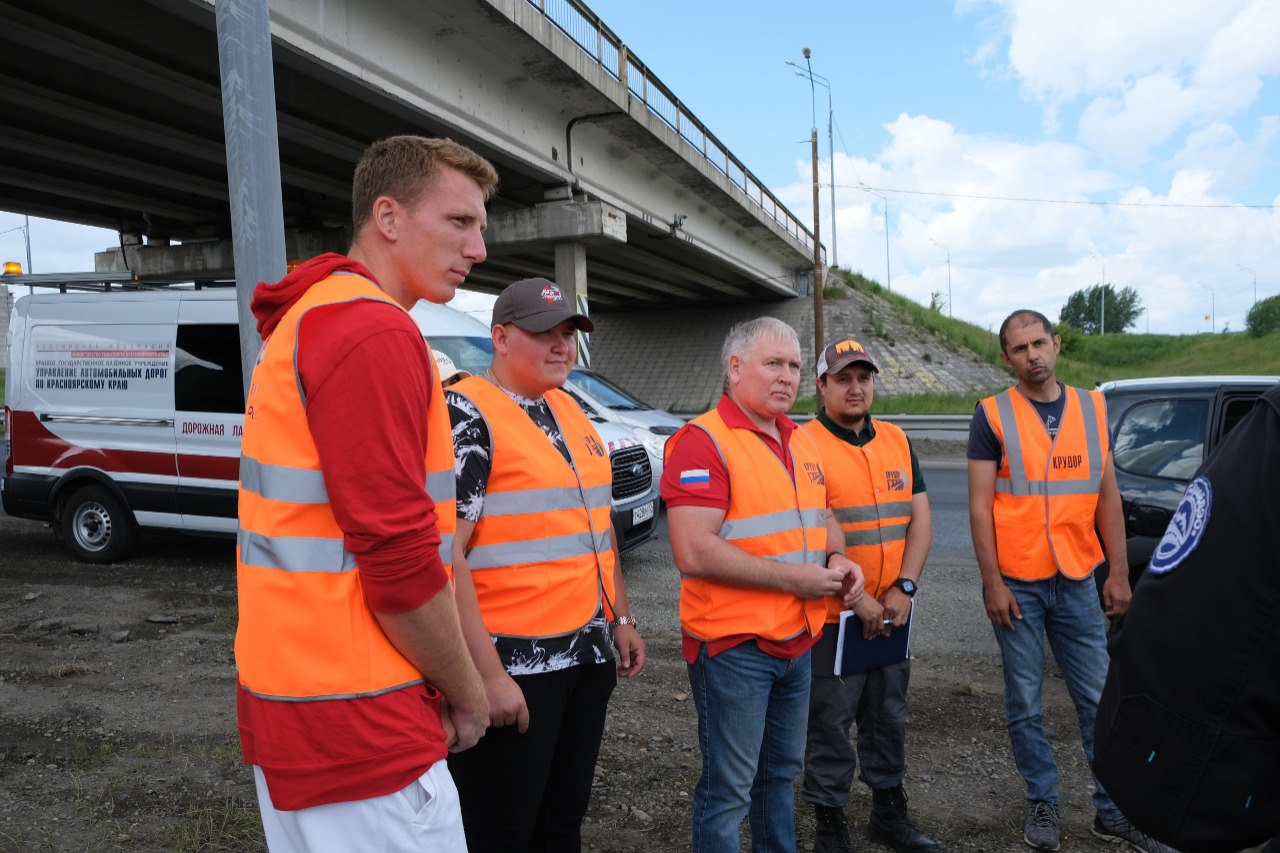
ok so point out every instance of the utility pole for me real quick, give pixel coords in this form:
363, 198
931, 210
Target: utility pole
1241, 266
814, 77
818, 331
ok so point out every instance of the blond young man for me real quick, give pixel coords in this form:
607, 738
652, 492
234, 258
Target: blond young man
354, 680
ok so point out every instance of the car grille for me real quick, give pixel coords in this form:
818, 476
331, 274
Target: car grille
632, 474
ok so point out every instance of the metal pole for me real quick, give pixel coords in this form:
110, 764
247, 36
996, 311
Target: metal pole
253, 157
888, 273
1103, 331
1102, 294
951, 311
818, 331
817, 257
26, 232
1241, 266
831, 152
951, 308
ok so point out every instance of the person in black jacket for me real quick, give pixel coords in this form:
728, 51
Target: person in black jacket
1188, 728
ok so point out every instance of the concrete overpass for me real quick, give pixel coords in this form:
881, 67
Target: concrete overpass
608, 183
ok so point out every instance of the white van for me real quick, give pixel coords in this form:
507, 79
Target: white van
124, 410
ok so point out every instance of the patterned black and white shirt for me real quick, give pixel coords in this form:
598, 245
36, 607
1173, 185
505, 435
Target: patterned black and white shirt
472, 450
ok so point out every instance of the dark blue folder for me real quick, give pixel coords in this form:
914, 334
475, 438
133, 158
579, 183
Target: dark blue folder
855, 654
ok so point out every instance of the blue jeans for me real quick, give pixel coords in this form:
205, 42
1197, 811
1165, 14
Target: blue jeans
1068, 613
752, 711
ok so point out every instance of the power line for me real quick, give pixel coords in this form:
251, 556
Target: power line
1060, 200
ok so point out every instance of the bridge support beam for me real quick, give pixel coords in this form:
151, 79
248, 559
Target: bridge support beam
571, 275
554, 222
213, 259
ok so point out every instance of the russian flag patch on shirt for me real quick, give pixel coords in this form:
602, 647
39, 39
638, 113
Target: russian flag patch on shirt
696, 478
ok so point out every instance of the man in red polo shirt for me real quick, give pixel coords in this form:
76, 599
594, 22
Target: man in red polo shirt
757, 551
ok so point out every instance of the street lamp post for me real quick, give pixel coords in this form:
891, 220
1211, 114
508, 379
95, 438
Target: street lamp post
1255, 281
951, 311
888, 273
1102, 295
1213, 306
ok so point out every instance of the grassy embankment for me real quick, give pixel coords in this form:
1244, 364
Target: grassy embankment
1084, 360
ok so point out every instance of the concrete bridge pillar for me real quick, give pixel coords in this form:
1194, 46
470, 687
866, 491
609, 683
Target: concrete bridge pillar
571, 275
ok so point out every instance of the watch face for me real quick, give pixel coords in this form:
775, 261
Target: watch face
908, 586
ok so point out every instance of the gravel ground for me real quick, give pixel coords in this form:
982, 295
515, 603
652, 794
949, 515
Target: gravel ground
117, 727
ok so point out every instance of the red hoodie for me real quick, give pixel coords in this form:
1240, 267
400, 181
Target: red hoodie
371, 438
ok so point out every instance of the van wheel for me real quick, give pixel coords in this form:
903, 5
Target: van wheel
96, 527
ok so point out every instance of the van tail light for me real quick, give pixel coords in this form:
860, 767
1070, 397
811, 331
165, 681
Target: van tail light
8, 442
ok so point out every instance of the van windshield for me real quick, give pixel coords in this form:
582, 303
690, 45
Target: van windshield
606, 392
470, 354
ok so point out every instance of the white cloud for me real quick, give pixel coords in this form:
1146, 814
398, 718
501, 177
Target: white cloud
1007, 255
1233, 163
1148, 70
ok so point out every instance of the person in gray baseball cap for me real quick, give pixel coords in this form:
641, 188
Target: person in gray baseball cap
546, 616
537, 305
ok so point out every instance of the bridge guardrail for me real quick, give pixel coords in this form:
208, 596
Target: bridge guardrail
585, 29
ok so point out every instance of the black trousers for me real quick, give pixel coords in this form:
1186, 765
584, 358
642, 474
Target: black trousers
529, 792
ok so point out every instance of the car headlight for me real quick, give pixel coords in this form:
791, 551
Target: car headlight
652, 443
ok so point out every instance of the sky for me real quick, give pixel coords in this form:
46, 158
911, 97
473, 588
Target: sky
1036, 143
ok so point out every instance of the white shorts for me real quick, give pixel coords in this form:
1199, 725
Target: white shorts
422, 816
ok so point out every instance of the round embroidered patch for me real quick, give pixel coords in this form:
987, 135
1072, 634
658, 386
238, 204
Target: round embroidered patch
1185, 529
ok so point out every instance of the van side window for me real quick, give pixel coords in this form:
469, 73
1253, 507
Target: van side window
207, 374
1162, 438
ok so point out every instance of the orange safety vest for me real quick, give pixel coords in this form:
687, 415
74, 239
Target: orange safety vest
306, 632
769, 515
541, 554
1047, 491
870, 490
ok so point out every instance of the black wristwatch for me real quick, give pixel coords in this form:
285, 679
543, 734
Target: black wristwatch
908, 586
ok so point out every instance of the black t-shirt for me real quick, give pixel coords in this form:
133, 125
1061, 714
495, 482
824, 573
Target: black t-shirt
985, 445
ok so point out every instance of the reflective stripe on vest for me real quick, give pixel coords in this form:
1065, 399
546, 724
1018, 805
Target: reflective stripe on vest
1018, 483
306, 633
541, 553
1046, 489
771, 515
870, 488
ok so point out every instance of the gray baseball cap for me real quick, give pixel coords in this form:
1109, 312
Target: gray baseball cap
536, 305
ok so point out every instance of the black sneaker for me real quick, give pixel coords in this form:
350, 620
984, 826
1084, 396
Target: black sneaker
1118, 830
1041, 829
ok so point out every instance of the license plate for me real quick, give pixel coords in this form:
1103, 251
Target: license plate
642, 513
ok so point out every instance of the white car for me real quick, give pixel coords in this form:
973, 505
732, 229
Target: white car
466, 342
602, 398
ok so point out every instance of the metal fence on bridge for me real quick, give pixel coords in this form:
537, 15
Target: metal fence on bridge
594, 37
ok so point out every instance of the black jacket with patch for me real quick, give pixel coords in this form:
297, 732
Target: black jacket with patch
1187, 739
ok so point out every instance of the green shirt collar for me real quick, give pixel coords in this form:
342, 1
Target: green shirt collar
857, 439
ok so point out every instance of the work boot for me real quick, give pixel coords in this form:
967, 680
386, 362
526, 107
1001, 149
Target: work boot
890, 824
832, 835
